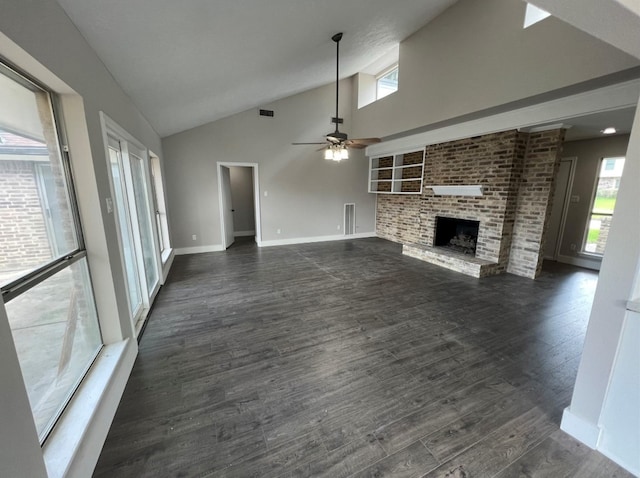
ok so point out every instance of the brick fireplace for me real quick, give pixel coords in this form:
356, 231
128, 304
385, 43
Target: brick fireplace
516, 171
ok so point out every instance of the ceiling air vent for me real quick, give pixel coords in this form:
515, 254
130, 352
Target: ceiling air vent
266, 113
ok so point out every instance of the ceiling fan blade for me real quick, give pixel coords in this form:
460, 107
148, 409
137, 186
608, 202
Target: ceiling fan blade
363, 141
297, 144
355, 146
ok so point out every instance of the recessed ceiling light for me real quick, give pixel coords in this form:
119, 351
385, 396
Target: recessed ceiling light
609, 130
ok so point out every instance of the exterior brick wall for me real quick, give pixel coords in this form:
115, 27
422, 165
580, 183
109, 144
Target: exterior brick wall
516, 170
23, 236
541, 163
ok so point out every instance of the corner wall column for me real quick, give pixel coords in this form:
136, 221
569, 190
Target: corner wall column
620, 264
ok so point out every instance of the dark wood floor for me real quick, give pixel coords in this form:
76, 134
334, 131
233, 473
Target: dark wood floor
347, 359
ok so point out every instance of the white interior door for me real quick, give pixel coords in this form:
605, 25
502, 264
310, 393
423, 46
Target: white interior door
226, 207
560, 202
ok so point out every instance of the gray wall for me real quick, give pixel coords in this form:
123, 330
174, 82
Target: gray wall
242, 199
588, 154
475, 56
301, 194
38, 37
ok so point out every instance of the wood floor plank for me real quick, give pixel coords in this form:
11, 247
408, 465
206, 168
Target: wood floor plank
410, 462
500, 447
555, 457
435, 415
561, 456
349, 359
464, 432
342, 462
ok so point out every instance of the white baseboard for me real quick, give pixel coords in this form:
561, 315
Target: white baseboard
181, 251
580, 429
306, 240
277, 242
244, 233
585, 262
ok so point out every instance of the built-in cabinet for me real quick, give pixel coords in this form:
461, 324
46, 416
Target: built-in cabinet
397, 174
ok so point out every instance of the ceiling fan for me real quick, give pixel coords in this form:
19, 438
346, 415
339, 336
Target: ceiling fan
336, 143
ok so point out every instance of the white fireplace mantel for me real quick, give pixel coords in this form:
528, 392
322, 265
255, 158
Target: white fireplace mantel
458, 190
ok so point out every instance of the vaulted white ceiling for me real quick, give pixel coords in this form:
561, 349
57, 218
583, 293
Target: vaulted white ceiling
191, 62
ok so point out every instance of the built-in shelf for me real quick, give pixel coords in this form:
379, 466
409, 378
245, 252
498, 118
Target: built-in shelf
397, 174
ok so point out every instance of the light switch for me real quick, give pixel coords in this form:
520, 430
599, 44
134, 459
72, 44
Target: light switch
109, 203
575, 198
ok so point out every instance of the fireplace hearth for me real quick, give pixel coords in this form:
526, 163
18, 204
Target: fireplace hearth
459, 235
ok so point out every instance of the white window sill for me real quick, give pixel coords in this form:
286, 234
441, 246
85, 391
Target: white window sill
165, 255
75, 442
590, 255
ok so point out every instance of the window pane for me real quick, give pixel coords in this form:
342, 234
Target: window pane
36, 219
387, 84
604, 203
597, 233
608, 184
158, 194
126, 234
56, 333
144, 221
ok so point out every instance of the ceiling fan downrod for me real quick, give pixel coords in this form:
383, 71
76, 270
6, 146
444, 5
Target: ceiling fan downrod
336, 38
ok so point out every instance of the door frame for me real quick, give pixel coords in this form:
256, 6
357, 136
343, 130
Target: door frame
256, 199
111, 129
226, 206
565, 209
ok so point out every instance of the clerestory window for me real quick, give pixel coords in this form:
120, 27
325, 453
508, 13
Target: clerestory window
387, 82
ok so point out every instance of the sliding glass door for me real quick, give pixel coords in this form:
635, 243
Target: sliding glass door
133, 209
123, 215
143, 212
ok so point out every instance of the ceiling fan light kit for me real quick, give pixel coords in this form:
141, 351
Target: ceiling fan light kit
338, 142
336, 153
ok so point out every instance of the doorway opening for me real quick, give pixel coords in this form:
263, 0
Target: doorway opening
559, 208
239, 199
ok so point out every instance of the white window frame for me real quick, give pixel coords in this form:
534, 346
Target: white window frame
160, 206
48, 269
112, 129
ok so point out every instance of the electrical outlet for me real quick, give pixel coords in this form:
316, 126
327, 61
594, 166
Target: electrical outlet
572, 247
266, 193
194, 238
338, 227
278, 231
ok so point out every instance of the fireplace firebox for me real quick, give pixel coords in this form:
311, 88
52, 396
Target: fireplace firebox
460, 235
